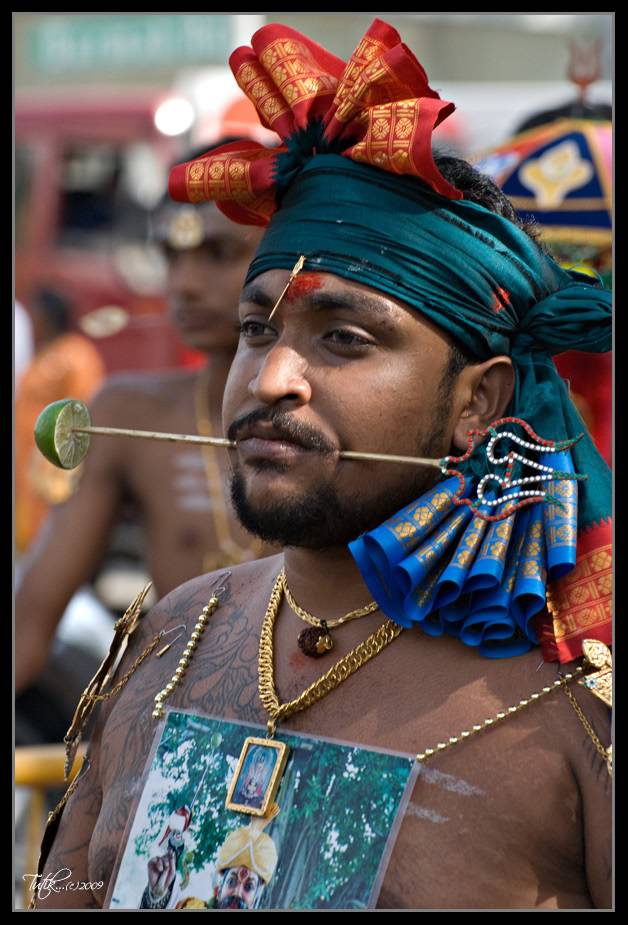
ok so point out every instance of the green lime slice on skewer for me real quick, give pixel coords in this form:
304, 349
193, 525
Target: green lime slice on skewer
54, 433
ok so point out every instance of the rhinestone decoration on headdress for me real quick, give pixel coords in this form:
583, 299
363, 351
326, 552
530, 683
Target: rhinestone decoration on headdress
518, 496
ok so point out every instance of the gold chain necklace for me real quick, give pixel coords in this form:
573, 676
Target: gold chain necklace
229, 551
359, 656
338, 673
272, 753
317, 640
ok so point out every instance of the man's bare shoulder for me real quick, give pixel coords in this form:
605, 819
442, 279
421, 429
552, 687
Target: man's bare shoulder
145, 391
240, 583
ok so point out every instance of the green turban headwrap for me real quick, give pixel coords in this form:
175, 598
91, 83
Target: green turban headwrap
477, 275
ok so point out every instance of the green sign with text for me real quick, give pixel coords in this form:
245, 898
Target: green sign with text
68, 44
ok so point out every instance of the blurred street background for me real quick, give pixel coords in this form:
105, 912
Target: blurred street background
105, 103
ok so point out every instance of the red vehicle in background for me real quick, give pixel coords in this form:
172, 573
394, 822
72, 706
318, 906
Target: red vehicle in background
88, 171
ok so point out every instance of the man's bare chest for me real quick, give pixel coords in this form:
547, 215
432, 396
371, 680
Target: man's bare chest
181, 492
475, 792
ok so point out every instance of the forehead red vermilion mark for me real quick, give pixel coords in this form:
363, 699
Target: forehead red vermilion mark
302, 285
501, 298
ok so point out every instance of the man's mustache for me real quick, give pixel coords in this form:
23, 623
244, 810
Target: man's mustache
286, 426
232, 902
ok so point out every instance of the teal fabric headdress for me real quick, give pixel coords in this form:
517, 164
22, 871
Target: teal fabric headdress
475, 274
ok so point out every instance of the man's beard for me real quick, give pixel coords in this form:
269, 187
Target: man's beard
231, 902
322, 519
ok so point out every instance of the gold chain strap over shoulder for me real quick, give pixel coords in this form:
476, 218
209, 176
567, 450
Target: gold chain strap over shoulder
606, 753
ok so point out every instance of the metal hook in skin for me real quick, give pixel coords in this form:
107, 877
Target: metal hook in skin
218, 593
296, 269
222, 578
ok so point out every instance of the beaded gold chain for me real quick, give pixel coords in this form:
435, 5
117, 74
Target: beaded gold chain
188, 652
563, 681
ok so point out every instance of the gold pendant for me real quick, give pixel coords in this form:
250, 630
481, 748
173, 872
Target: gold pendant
257, 776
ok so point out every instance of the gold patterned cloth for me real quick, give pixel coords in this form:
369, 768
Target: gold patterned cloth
377, 108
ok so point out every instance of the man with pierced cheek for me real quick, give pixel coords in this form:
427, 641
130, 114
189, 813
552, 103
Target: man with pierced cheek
397, 305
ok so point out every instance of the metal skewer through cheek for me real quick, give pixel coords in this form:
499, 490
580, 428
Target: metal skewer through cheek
59, 422
154, 435
231, 444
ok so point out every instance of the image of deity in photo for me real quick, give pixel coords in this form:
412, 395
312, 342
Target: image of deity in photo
255, 776
185, 849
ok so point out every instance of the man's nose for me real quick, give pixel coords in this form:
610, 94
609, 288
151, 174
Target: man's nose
282, 376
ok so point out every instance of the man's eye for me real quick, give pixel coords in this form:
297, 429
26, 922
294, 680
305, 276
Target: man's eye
255, 329
345, 338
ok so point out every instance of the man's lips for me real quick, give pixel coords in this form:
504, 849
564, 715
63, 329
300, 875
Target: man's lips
264, 441
260, 448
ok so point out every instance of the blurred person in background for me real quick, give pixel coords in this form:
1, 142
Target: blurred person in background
177, 492
65, 363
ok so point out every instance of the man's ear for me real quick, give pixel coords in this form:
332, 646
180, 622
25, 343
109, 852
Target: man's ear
484, 391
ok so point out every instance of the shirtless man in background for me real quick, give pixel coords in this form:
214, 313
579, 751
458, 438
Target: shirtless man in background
179, 492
